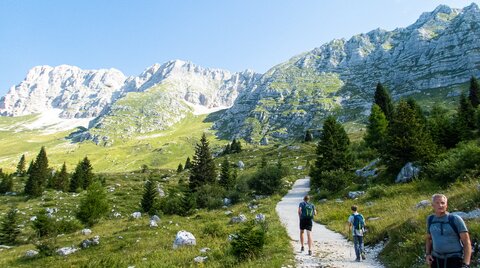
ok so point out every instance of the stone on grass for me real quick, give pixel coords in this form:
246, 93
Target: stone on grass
90, 242
31, 253
184, 238
355, 194
86, 232
66, 251
155, 218
153, 224
228, 212
232, 236
239, 219
241, 165
136, 215
260, 217
422, 204
227, 201
407, 173
204, 250
200, 259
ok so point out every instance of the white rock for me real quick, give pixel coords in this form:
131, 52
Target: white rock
260, 217
241, 165
239, 219
155, 218
200, 259
184, 238
136, 215
422, 204
66, 251
153, 224
204, 250
355, 194
86, 232
31, 253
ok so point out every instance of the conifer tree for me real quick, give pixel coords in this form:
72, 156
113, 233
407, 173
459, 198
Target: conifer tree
473, 95
39, 175
9, 230
441, 127
94, 205
188, 163
376, 128
227, 149
308, 136
332, 151
30, 167
149, 195
203, 167
465, 121
382, 98
6, 185
236, 146
179, 168
76, 182
87, 173
408, 139
60, 181
226, 176
21, 166
418, 110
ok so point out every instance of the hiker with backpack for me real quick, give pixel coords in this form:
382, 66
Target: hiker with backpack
356, 222
306, 212
447, 242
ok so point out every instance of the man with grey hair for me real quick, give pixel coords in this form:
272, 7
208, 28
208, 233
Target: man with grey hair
447, 242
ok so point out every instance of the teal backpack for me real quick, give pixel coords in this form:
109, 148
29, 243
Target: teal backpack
308, 211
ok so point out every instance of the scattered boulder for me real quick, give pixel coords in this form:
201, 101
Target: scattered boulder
153, 224
204, 250
184, 238
200, 259
160, 191
474, 214
260, 217
90, 242
31, 253
339, 200
117, 215
241, 165
407, 173
264, 141
422, 204
5, 247
66, 251
227, 201
232, 236
136, 215
86, 232
34, 218
239, 219
355, 194
228, 212
368, 170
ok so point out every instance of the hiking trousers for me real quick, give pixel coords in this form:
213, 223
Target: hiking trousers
358, 243
454, 262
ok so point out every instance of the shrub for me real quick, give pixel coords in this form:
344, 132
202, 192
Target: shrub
176, 202
8, 229
70, 226
46, 247
456, 164
94, 205
214, 229
44, 225
209, 196
267, 180
335, 180
7, 183
249, 241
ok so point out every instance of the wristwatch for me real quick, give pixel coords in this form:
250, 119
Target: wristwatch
464, 265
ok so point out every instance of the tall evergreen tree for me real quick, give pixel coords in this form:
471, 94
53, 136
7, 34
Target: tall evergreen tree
9, 230
87, 173
441, 127
308, 136
60, 180
30, 167
332, 151
203, 167
6, 185
21, 166
149, 195
94, 205
83, 176
408, 139
473, 95
236, 146
418, 110
188, 163
39, 175
376, 128
179, 168
226, 176
465, 122
382, 98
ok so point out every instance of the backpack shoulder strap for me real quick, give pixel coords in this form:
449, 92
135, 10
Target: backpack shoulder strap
429, 221
451, 221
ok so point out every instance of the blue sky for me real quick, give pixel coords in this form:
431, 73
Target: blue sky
227, 34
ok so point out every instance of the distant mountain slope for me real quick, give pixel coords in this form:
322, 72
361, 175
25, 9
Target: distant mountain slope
440, 49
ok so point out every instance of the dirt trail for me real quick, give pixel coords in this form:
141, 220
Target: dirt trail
330, 249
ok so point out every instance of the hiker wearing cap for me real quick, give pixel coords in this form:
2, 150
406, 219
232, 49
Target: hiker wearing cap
447, 241
356, 223
306, 212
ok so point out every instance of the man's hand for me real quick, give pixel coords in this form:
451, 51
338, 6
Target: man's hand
428, 259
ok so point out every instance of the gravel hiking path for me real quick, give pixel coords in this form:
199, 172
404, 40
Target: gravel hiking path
330, 249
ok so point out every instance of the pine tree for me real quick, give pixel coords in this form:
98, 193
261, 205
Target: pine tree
30, 167
465, 122
9, 230
332, 151
236, 146
473, 95
441, 127
60, 181
188, 163
87, 173
376, 128
76, 182
149, 195
226, 176
39, 175
308, 136
179, 168
6, 185
94, 205
203, 167
227, 149
408, 139
382, 98
21, 166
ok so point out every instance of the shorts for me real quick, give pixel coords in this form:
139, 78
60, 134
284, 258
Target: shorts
306, 224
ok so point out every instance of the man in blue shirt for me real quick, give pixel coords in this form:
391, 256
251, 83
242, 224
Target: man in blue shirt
306, 212
447, 242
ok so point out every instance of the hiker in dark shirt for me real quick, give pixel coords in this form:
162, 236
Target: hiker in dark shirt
306, 212
447, 242
356, 223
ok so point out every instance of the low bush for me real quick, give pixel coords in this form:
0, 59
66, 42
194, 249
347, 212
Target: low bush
209, 196
248, 242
